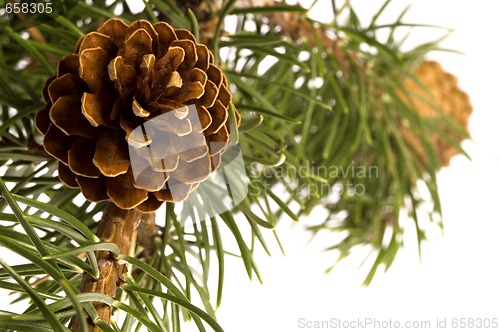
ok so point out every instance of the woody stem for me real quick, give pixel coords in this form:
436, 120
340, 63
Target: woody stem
117, 226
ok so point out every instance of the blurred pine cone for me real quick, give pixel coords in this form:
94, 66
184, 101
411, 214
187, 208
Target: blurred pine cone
443, 92
127, 90
207, 15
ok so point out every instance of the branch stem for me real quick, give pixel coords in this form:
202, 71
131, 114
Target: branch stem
120, 227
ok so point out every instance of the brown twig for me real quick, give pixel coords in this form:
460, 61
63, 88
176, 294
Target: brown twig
32, 29
146, 234
117, 226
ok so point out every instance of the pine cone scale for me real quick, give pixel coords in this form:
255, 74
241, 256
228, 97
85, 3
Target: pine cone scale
137, 46
151, 180
219, 116
67, 176
117, 186
115, 29
66, 114
190, 55
57, 143
80, 157
171, 60
196, 75
166, 35
93, 189
215, 75
146, 26
97, 109
98, 40
193, 172
124, 77
210, 96
42, 119
68, 84
94, 69
111, 154
151, 204
205, 57
185, 34
68, 64
180, 189
205, 119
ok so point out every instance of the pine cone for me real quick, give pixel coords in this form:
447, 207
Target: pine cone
138, 115
448, 97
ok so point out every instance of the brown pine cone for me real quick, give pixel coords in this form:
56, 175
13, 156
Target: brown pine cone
447, 96
138, 115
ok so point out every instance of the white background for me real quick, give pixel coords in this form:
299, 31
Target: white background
458, 276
